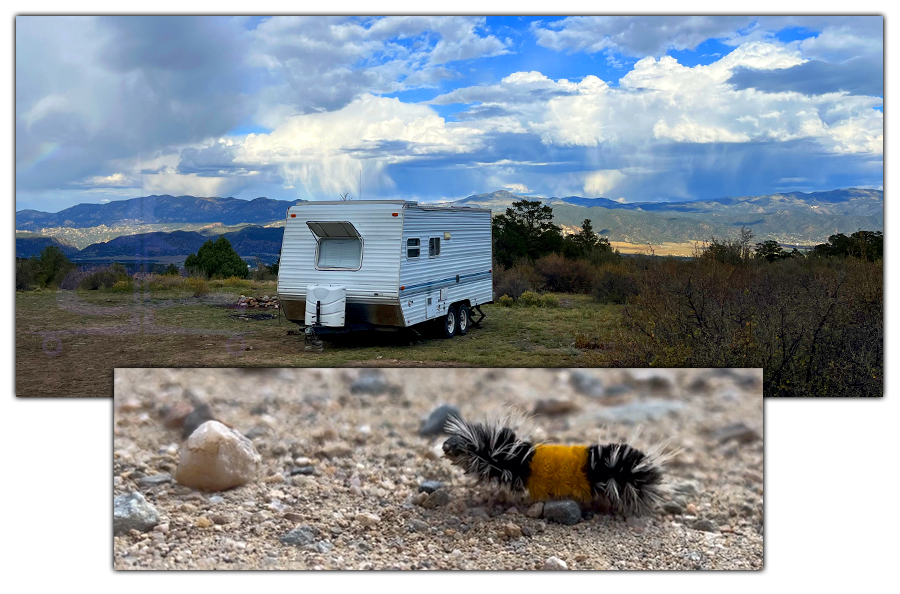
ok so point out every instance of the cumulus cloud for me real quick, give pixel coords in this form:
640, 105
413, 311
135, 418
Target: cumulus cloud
128, 106
93, 90
325, 152
323, 63
658, 101
635, 36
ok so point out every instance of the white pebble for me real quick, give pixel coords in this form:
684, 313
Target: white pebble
555, 563
215, 458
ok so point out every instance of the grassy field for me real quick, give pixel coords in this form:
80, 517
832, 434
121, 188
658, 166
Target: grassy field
69, 342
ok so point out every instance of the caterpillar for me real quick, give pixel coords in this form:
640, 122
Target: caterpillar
627, 478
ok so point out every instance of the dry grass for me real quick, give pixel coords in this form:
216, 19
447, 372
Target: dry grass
68, 343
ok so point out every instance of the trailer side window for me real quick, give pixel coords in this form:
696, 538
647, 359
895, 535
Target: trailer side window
434, 247
412, 247
343, 253
338, 245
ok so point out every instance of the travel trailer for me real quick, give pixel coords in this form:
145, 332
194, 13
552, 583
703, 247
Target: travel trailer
352, 265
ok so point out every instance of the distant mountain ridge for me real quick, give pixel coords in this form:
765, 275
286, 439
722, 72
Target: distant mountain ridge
33, 246
792, 218
851, 201
158, 209
248, 242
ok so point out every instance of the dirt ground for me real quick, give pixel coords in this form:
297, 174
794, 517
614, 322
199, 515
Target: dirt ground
343, 462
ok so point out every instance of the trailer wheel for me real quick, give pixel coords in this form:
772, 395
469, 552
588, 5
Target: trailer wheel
464, 318
448, 325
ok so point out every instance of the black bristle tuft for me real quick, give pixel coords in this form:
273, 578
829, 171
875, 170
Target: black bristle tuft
494, 454
628, 478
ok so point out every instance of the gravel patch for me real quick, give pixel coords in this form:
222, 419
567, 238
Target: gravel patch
347, 482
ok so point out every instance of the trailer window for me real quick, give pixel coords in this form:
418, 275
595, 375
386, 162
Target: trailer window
434, 247
338, 245
342, 253
412, 247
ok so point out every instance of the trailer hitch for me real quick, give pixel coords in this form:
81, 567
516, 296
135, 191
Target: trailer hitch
313, 342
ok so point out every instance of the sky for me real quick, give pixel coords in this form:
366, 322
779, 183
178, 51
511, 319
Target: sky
646, 108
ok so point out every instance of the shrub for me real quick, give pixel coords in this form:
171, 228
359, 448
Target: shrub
529, 299
103, 278
815, 325
198, 285
50, 268
172, 270
27, 274
549, 300
231, 281
515, 280
563, 275
123, 286
217, 259
614, 285
506, 301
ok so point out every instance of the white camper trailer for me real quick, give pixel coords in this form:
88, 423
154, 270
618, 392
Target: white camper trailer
348, 265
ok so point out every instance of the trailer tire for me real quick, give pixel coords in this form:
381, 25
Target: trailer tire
448, 323
463, 319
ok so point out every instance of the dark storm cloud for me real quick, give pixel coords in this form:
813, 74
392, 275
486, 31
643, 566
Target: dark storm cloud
859, 76
140, 84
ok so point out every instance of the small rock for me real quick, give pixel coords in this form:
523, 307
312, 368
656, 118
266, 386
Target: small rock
554, 564
300, 536
203, 522
552, 407
436, 499
417, 525
340, 450
198, 416
753, 476
705, 526
371, 381
430, 486
155, 479
367, 519
636, 522
215, 458
535, 510
587, 383
512, 530
220, 519
738, 432
562, 512
672, 507
174, 416
132, 512
293, 517
435, 422
478, 513
691, 509
275, 478
687, 487
306, 470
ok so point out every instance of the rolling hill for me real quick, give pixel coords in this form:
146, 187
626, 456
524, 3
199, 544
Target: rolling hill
249, 242
33, 245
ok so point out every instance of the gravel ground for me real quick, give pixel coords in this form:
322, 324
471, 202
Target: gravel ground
344, 468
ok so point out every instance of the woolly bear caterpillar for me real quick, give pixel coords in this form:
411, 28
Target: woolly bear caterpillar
629, 479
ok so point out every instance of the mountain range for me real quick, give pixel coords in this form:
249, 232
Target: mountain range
157, 209
795, 218
180, 225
